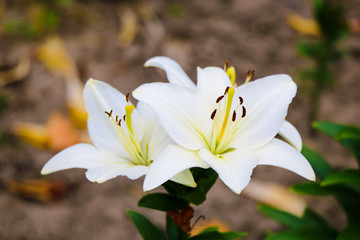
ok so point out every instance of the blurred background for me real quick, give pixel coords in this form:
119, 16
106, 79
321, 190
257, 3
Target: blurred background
49, 48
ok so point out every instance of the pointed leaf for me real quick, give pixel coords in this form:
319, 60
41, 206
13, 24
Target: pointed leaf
314, 219
329, 128
204, 178
349, 176
145, 227
314, 188
303, 234
174, 232
318, 163
162, 202
285, 218
215, 235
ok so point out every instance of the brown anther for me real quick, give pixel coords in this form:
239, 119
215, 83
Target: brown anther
249, 75
241, 100
117, 118
234, 116
213, 115
219, 98
243, 112
109, 113
119, 123
127, 97
226, 90
124, 117
226, 64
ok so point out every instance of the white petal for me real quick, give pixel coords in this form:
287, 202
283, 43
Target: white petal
155, 138
185, 178
174, 72
98, 98
173, 160
78, 156
291, 135
234, 168
280, 154
211, 84
266, 101
179, 111
104, 173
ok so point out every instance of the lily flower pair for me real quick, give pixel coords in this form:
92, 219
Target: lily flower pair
179, 125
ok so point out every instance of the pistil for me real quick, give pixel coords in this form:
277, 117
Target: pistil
230, 96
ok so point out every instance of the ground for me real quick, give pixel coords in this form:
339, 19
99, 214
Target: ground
249, 34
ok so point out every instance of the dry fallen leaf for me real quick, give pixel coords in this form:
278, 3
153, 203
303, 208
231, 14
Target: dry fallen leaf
40, 190
182, 218
275, 195
15, 73
302, 25
33, 134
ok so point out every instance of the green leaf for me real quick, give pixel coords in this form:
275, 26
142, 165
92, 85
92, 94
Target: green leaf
205, 179
210, 229
215, 235
314, 188
315, 220
303, 234
351, 232
162, 202
318, 163
145, 227
349, 176
173, 231
283, 217
329, 128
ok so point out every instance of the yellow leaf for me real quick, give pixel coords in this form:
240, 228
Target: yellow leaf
302, 25
16, 73
33, 134
129, 26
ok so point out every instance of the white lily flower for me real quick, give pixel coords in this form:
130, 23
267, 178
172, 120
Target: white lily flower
126, 139
215, 124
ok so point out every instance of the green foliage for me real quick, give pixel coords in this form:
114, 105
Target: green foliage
205, 179
145, 227
344, 185
174, 232
162, 202
323, 51
216, 235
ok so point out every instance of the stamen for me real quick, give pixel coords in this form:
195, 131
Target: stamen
230, 92
213, 115
129, 109
226, 90
127, 97
109, 113
243, 112
124, 117
234, 116
226, 64
241, 100
232, 75
116, 119
249, 75
219, 98
119, 123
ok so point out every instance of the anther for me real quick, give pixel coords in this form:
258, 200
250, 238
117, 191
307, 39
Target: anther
249, 75
124, 117
127, 97
241, 100
243, 112
219, 98
226, 64
234, 116
119, 123
109, 113
213, 115
116, 118
226, 90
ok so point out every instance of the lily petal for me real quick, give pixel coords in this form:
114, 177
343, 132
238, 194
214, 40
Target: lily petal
234, 168
211, 84
291, 135
104, 173
78, 156
98, 98
173, 160
185, 178
280, 154
174, 72
266, 101
179, 111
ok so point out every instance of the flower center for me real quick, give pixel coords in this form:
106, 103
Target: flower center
128, 135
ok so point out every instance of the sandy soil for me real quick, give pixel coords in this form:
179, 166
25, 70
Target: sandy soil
250, 34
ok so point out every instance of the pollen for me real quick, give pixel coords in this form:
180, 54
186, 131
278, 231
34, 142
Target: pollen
213, 114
